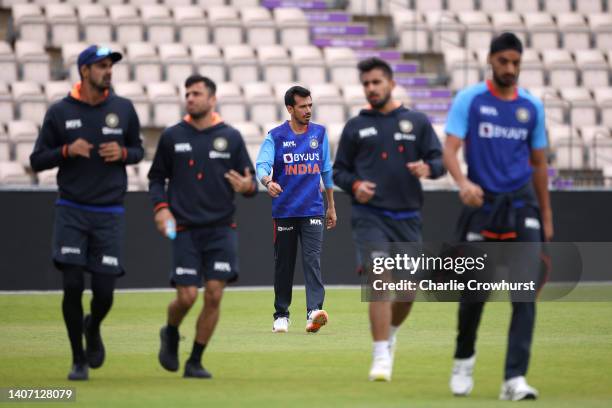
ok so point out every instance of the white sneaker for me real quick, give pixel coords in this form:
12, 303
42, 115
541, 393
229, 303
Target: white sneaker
461, 381
517, 389
381, 369
281, 325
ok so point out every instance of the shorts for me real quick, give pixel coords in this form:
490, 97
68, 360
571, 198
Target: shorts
203, 254
89, 239
373, 231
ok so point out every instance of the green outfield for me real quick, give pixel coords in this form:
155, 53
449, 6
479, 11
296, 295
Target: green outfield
252, 367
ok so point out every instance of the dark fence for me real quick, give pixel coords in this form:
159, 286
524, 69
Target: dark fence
27, 219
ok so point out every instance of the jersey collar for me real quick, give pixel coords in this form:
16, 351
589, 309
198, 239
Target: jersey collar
494, 92
75, 92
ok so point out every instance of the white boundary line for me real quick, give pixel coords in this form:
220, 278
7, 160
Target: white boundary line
255, 288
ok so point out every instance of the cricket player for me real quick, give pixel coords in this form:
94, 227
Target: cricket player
501, 127
91, 135
198, 166
292, 160
383, 153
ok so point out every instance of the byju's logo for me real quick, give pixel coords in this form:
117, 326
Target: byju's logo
288, 158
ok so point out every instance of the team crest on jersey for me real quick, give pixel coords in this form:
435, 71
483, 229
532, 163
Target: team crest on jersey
522, 115
314, 143
112, 120
220, 144
405, 126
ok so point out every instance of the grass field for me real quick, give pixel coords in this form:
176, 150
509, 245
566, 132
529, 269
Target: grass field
252, 367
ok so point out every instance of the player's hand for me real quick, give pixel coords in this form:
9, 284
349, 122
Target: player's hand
80, 147
419, 169
274, 189
471, 194
161, 219
330, 218
547, 220
365, 191
110, 152
240, 184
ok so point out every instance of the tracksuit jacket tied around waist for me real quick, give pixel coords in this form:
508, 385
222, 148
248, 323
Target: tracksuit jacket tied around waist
377, 147
89, 181
194, 162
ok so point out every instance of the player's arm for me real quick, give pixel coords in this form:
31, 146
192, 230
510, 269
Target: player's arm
133, 151
470, 193
51, 149
540, 184
344, 171
539, 164
242, 176
430, 164
264, 163
328, 183
161, 170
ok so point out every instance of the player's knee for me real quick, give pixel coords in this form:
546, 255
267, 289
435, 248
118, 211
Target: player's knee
186, 298
212, 298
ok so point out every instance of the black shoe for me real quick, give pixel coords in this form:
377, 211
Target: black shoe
195, 370
168, 351
94, 348
79, 372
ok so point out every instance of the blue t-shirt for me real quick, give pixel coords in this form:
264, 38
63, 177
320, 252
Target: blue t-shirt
297, 163
499, 135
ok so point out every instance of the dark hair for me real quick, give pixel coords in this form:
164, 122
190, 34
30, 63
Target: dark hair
208, 83
295, 90
369, 64
506, 41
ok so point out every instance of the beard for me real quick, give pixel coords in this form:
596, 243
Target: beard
304, 122
102, 86
381, 103
505, 82
198, 114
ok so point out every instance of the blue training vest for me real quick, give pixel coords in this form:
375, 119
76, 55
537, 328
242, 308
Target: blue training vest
298, 162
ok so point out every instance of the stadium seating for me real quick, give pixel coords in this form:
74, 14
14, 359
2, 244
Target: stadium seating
255, 53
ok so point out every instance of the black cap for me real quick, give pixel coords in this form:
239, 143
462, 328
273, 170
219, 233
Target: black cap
506, 41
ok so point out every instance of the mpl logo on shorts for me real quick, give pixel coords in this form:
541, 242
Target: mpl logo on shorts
222, 267
73, 124
316, 221
289, 143
182, 148
110, 260
185, 271
532, 223
70, 250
